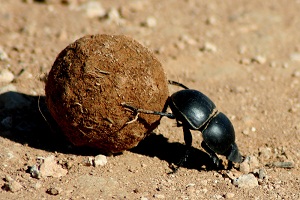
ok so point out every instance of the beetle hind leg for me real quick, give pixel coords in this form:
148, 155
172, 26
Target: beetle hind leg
211, 154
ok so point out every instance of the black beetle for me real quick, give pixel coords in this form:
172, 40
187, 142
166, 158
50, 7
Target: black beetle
195, 111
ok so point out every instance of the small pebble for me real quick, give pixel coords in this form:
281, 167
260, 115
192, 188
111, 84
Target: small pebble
211, 20
259, 59
3, 55
93, 9
246, 181
245, 61
150, 22
188, 40
50, 168
245, 167
296, 74
273, 64
159, 196
53, 191
100, 160
265, 153
285, 65
229, 195
262, 174
6, 76
209, 47
114, 16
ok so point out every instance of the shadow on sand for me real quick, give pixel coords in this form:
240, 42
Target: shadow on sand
21, 121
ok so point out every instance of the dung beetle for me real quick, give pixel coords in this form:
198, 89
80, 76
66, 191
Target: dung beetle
195, 111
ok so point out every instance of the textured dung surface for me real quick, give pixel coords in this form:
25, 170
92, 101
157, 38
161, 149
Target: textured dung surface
91, 78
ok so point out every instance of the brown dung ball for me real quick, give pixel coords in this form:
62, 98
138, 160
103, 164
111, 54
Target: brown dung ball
91, 78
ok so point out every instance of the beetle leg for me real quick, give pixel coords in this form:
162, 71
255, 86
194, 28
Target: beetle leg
211, 154
177, 84
139, 110
187, 136
188, 144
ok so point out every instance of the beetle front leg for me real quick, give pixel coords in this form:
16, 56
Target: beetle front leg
152, 112
188, 144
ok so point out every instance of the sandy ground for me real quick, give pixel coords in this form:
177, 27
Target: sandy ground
244, 55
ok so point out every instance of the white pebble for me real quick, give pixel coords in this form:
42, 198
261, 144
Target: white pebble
114, 16
159, 196
259, 59
209, 47
3, 55
188, 40
100, 160
229, 195
211, 20
246, 181
150, 22
296, 74
93, 9
6, 76
265, 153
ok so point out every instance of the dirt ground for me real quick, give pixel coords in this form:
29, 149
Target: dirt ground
244, 55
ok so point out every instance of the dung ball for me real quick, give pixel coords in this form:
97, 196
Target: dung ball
88, 82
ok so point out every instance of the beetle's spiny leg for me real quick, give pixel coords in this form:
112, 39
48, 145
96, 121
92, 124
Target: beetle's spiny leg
211, 154
177, 84
139, 110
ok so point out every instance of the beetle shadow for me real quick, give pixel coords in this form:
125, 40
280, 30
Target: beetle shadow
158, 146
25, 119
